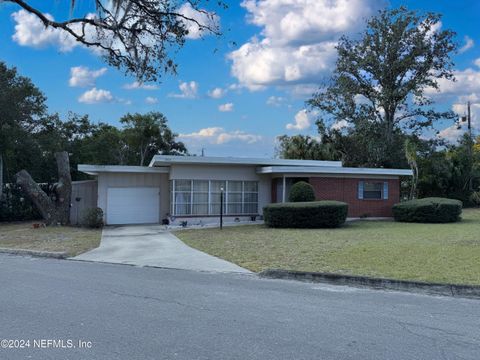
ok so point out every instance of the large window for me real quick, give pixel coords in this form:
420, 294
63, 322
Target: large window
202, 197
373, 190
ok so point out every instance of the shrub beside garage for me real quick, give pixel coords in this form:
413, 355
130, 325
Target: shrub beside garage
313, 214
428, 210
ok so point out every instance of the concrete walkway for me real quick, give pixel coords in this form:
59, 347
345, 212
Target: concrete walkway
151, 245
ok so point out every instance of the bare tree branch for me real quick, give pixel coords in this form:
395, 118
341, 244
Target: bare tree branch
137, 36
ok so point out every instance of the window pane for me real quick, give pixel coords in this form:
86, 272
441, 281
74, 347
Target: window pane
372, 190
215, 209
200, 209
182, 203
234, 186
234, 208
182, 209
215, 197
200, 198
235, 198
372, 186
250, 186
183, 185
372, 194
200, 185
250, 197
216, 185
250, 208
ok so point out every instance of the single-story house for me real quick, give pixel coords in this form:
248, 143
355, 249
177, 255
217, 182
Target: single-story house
183, 188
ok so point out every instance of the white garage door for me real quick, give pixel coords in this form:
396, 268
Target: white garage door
133, 205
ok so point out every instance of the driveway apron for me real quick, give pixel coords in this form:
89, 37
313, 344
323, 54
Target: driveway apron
152, 245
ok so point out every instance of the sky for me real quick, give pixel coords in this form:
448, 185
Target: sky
235, 93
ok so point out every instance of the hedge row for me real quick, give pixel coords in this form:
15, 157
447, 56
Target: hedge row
314, 214
428, 210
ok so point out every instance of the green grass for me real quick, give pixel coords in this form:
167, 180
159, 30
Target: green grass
445, 253
72, 240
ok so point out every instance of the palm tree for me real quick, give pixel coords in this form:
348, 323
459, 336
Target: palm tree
411, 155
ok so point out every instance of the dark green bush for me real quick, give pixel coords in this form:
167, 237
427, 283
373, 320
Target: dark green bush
93, 218
313, 214
14, 206
428, 210
301, 192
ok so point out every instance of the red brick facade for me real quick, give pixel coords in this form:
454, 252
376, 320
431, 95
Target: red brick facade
346, 189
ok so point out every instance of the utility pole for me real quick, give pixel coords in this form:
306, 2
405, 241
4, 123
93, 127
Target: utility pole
468, 119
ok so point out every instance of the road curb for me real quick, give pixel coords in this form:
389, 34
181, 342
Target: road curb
36, 253
466, 291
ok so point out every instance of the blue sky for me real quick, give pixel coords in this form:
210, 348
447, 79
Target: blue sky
282, 50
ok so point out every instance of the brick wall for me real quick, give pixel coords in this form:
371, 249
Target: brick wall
346, 189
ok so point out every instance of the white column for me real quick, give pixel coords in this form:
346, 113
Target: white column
283, 189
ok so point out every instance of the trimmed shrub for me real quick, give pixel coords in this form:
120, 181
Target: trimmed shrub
93, 218
313, 214
301, 192
428, 210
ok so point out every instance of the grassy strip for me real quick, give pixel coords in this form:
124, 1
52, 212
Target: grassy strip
72, 240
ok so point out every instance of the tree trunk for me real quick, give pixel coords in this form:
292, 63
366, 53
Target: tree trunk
63, 188
57, 210
1, 177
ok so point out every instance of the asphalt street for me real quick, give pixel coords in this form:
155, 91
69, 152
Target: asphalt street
129, 312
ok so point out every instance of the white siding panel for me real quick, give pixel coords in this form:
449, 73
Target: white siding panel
135, 180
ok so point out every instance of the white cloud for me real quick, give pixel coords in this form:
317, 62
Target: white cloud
339, 125
275, 100
302, 121
297, 41
201, 17
217, 93
30, 31
467, 82
95, 96
188, 90
151, 100
138, 85
453, 133
82, 76
226, 107
469, 43
477, 62
218, 136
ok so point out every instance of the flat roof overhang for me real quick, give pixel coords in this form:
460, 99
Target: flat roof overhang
332, 170
96, 169
166, 160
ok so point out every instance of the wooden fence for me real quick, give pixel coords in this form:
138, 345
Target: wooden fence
84, 196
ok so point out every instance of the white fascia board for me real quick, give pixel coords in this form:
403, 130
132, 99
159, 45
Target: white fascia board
165, 160
96, 169
332, 170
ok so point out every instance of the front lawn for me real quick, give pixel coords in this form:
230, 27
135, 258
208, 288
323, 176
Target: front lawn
446, 253
72, 240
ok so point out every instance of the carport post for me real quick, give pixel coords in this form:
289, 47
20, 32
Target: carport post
283, 189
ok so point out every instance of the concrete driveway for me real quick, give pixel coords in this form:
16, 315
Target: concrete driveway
152, 245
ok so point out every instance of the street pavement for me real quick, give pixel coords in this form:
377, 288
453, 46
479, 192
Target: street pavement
129, 312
